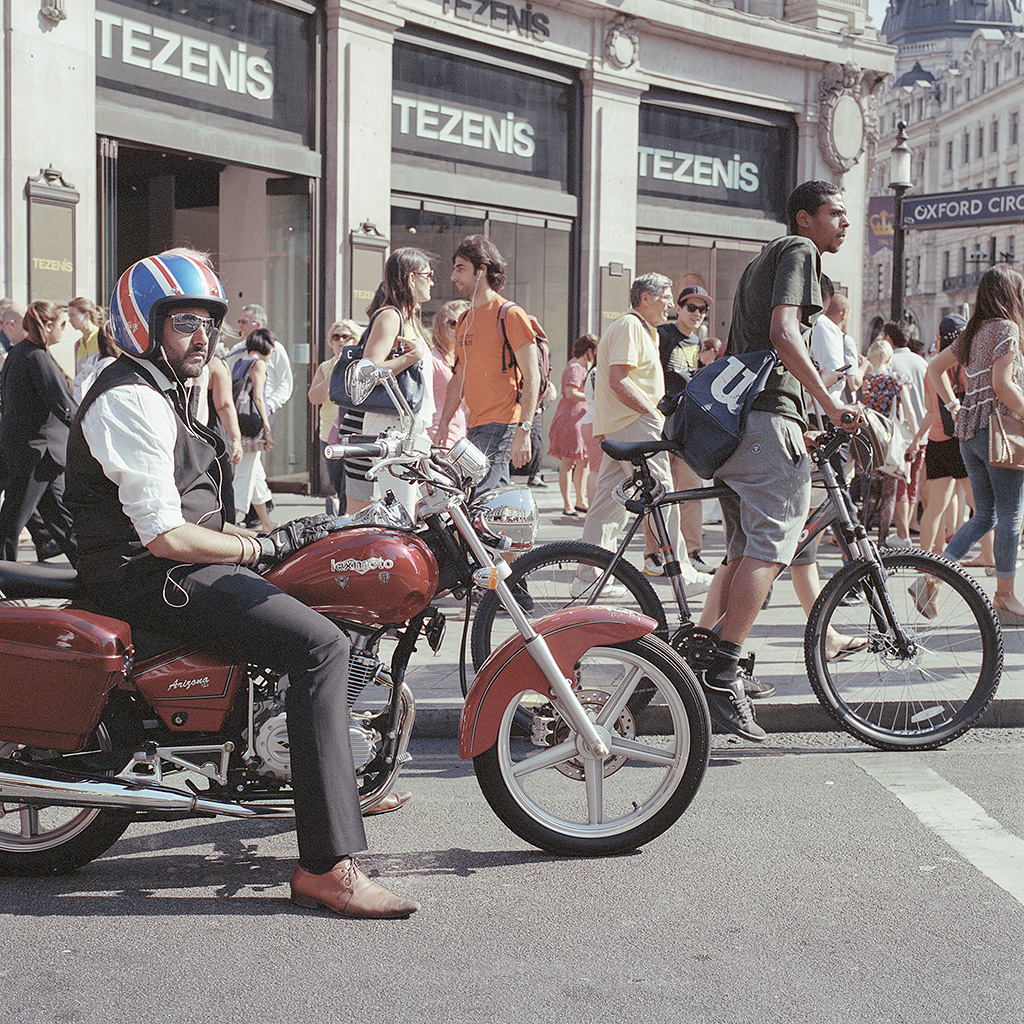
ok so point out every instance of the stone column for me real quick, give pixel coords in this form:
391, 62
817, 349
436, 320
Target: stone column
357, 180
49, 74
611, 134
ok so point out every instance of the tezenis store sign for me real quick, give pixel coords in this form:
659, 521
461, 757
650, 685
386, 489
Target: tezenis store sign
714, 159
245, 59
452, 110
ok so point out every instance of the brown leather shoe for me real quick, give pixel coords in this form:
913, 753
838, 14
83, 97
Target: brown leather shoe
346, 890
391, 802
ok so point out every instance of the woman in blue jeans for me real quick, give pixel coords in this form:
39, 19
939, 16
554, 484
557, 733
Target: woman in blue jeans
990, 351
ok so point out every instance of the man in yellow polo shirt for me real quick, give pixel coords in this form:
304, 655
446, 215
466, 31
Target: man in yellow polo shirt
628, 385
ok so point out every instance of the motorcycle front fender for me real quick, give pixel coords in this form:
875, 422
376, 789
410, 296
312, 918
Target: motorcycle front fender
510, 670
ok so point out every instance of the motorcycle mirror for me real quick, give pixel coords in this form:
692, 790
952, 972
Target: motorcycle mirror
362, 377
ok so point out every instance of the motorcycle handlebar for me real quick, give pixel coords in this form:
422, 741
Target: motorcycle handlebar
368, 450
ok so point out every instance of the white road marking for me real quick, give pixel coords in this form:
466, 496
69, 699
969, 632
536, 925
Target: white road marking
953, 816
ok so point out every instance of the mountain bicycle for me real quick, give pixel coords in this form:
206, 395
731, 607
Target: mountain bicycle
934, 651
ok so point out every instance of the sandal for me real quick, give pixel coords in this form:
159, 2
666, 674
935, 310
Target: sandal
852, 646
582, 510
572, 513
925, 596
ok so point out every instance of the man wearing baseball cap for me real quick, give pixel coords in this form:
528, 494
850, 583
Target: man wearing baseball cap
679, 347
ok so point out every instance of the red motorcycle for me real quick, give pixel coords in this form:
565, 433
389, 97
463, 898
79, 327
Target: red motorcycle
588, 735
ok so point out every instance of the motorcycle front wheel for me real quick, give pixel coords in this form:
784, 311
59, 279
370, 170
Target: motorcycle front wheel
549, 790
58, 840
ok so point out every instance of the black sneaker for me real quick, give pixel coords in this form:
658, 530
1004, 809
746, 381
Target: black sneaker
730, 707
754, 688
522, 596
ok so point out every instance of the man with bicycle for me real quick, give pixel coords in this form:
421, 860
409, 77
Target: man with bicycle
778, 298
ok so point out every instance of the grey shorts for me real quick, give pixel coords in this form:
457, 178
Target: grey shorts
495, 441
770, 473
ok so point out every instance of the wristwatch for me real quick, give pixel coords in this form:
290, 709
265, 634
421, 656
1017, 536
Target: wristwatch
526, 425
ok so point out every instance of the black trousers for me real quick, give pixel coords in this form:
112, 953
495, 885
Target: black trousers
36, 484
232, 611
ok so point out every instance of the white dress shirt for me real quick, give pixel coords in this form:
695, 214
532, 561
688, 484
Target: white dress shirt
131, 431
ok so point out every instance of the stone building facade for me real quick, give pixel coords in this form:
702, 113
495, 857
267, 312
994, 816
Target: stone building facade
297, 140
958, 85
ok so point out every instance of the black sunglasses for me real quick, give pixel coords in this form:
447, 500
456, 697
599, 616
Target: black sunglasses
692, 307
452, 323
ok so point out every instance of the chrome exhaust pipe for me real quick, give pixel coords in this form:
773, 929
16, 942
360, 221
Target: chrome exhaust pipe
47, 786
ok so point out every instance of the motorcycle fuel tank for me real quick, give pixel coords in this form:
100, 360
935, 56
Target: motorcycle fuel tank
364, 574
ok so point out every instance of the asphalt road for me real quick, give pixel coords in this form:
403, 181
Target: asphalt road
811, 880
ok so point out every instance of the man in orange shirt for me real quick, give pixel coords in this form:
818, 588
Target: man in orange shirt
500, 393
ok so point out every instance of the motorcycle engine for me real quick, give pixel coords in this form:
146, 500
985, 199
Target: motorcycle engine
270, 739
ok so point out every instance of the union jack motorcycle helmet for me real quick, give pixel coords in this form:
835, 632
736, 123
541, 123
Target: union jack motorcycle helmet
147, 289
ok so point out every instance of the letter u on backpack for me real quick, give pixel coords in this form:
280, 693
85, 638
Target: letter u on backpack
707, 420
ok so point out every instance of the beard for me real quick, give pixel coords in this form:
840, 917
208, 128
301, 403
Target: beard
188, 366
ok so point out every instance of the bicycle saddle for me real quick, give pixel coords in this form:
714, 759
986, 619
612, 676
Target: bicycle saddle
634, 451
19, 581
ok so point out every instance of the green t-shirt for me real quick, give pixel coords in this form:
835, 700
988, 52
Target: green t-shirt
786, 273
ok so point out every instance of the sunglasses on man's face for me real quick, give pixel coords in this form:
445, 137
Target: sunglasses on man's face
343, 337
692, 307
189, 323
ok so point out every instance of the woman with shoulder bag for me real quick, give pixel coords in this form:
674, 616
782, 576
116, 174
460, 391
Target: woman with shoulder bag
250, 478
396, 340
990, 350
943, 462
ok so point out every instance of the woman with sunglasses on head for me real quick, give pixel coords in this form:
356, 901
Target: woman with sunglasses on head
38, 411
397, 341
341, 333
442, 352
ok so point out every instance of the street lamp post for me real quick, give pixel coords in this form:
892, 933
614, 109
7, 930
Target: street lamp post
899, 174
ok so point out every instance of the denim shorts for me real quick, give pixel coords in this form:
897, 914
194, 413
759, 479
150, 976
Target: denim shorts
770, 473
495, 441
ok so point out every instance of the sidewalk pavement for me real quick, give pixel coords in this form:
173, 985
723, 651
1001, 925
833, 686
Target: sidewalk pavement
776, 639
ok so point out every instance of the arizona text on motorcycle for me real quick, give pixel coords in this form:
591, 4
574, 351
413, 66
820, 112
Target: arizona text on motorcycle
189, 668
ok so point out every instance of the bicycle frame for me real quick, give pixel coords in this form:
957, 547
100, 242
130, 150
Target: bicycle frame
836, 511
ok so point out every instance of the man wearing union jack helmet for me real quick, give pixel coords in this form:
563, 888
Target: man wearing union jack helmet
155, 551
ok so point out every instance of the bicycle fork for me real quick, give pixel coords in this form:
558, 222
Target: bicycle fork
855, 535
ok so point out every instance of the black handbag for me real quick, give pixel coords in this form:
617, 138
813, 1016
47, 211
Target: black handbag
410, 381
249, 421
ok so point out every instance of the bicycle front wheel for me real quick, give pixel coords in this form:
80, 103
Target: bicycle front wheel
558, 576
915, 687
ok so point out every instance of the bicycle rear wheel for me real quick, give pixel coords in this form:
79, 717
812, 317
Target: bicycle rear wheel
914, 695
549, 572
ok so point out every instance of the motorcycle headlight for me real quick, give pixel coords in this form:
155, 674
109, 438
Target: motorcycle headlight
509, 514
468, 460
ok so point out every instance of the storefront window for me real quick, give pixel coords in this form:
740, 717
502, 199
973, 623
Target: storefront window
535, 249
537, 255
256, 226
709, 263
